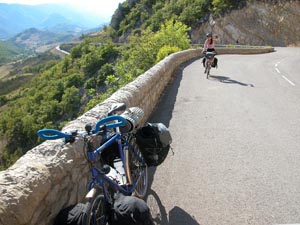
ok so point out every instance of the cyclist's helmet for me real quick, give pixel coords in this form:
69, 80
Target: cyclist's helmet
209, 34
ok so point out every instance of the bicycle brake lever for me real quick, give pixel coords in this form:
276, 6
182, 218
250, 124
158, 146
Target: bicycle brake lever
102, 130
71, 139
88, 128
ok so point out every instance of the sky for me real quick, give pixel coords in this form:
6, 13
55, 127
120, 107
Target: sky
103, 8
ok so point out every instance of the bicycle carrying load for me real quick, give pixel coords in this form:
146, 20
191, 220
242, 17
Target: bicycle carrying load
154, 141
133, 115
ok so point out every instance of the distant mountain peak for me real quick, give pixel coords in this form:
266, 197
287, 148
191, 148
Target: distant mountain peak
54, 19
33, 38
15, 18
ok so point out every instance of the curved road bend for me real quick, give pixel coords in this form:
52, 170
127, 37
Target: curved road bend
236, 138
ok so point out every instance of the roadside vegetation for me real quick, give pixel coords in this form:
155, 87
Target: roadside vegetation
10, 52
50, 93
133, 16
62, 91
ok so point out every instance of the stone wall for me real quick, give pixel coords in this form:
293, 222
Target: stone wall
243, 50
52, 176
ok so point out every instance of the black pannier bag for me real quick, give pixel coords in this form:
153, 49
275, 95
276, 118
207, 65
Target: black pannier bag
154, 141
72, 215
215, 64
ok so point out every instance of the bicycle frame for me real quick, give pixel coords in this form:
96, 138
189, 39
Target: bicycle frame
110, 125
209, 56
99, 177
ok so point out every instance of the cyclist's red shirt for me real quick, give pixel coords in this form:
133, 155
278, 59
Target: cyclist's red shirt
208, 45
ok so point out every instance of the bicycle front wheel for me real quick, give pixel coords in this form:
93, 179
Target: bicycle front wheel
98, 211
136, 169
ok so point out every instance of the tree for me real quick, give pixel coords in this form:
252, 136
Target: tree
3, 100
70, 101
75, 79
105, 70
142, 51
173, 33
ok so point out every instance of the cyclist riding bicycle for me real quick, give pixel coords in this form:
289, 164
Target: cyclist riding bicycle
209, 46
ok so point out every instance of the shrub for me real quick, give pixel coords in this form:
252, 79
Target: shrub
165, 51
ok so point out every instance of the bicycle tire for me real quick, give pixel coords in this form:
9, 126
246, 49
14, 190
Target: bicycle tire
97, 213
206, 71
135, 164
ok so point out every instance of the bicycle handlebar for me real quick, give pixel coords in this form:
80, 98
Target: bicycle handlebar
52, 134
120, 122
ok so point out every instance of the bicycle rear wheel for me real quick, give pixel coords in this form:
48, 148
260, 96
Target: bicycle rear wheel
207, 68
98, 211
136, 169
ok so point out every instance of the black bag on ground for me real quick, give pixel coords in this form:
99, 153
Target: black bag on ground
72, 215
130, 210
154, 141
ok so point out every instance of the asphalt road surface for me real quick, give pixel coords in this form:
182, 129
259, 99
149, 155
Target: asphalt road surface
236, 143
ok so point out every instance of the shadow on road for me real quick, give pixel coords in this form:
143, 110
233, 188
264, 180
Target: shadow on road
163, 114
176, 215
164, 108
228, 80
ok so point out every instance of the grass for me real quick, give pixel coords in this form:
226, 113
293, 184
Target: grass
14, 83
5, 70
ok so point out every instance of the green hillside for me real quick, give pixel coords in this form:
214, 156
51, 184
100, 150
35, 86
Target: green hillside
11, 52
22, 71
61, 90
251, 22
135, 15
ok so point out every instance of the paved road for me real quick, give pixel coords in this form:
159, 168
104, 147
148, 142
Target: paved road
236, 138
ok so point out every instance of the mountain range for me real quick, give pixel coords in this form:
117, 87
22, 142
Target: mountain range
15, 18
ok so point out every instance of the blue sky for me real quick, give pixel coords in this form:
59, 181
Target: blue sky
103, 8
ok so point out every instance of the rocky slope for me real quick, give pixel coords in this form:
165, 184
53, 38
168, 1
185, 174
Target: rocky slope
259, 23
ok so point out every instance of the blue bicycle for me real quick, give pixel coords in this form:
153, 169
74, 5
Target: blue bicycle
116, 162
